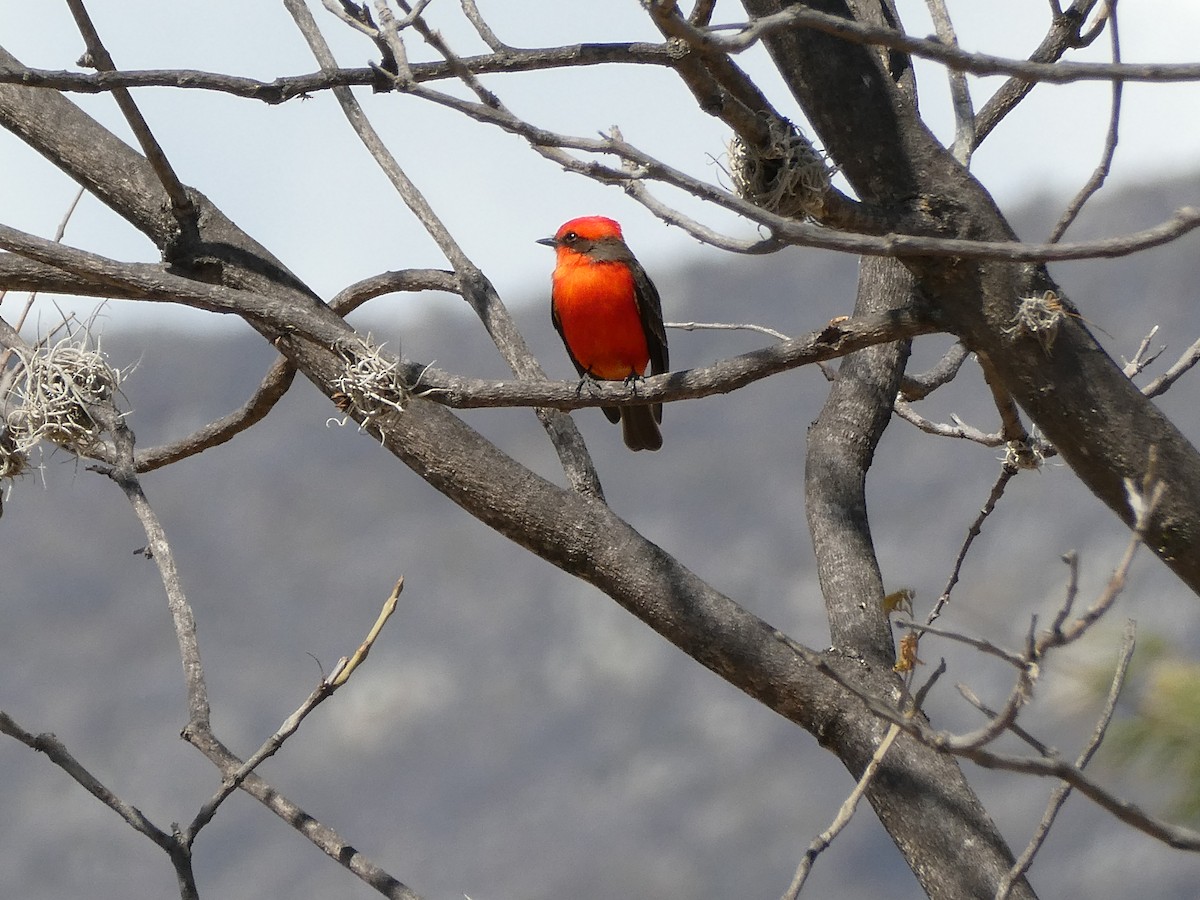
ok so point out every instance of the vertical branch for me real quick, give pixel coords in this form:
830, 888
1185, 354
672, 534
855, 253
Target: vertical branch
960, 93
1110, 140
841, 447
476, 288
157, 547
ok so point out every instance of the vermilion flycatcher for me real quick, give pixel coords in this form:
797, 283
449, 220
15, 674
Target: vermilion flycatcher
609, 316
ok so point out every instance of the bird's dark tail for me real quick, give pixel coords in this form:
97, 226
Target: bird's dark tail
639, 428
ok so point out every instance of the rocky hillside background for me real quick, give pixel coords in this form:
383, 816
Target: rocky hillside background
515, 735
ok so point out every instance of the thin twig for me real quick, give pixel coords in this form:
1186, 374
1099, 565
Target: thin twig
1075, 629
58, 754
1096, 181
971, 697
1142, 357
178, 851
1007, 471
181, 204
1071, 558
1060, 794
1163, 382
482, 28
727, 326
959, 429
339, 676
845, 813
960, 93
984, 646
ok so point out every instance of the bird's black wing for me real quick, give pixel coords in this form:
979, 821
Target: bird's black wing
650, 312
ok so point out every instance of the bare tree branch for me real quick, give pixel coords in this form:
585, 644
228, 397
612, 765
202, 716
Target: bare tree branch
338, 677
1060, 794
281, 374
1142, 357
975, 63
57, 753
958, 430
98, 56
1064, 34
474, 286
1185, 363
1096, 181
1007, 471
159, 549
291, 87
960, 93
918, 387
822, 841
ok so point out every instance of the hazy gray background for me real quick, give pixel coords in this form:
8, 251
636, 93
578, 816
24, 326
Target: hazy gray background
515, 735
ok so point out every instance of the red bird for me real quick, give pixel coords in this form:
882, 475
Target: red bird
608, 314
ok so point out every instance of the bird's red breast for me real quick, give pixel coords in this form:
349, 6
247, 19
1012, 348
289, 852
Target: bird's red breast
596, 306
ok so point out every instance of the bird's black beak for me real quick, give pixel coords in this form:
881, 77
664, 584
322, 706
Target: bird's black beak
547, 242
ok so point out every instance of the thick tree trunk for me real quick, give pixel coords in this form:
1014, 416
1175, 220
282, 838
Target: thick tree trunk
1104, 428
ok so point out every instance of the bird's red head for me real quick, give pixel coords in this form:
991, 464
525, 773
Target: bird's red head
590, 228
588, 239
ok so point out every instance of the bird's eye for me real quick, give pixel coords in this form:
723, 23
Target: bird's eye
570, 237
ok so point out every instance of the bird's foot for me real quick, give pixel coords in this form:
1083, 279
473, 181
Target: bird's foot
590, 380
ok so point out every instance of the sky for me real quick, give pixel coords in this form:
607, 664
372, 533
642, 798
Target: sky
296, 178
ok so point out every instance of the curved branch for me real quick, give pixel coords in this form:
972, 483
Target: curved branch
918, 387
274, 385
354, 296
280, 376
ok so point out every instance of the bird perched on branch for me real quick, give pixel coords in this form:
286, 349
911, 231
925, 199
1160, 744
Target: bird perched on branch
609, 316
